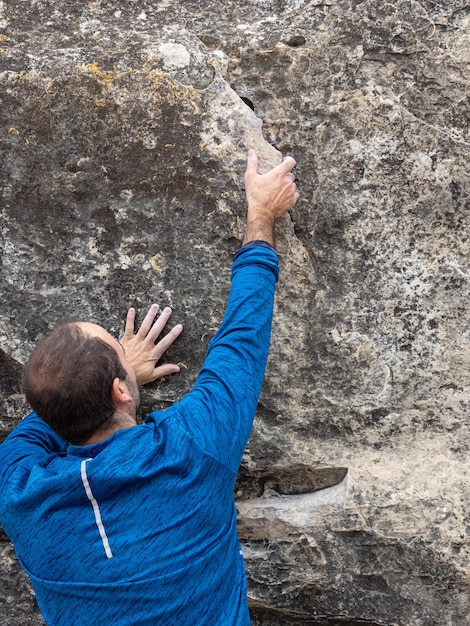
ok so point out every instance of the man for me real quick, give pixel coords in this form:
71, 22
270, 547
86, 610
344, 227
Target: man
120, 524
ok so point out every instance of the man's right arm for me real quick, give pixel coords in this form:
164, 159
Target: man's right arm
30, 442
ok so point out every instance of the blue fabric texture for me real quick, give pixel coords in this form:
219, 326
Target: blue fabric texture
252, 244
140, 529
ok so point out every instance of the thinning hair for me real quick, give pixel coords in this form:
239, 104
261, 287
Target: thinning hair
68, 381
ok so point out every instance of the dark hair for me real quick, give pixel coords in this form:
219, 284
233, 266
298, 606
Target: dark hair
68, 380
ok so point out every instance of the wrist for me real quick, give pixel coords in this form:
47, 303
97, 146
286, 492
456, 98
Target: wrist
259, 227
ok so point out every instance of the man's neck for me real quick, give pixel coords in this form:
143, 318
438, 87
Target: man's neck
119, 422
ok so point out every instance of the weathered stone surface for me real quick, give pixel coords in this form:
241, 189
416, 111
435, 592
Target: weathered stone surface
123, 134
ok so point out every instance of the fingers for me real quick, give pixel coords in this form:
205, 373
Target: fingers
151, 328
288, 164
148, 321
251, 163
290, 176
164, 343
162, 346
285, 171
129, 329
164, 370
159, 324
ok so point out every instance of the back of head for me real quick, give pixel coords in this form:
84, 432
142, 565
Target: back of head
68, 380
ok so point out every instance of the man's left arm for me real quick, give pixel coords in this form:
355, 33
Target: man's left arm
220, 408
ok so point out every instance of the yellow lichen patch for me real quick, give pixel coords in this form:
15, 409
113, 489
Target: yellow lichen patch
177, 93
218, 64
155, 262
163, 86
4, 38
150, 61
106, 78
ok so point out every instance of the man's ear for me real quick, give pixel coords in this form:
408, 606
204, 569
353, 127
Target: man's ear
119, 392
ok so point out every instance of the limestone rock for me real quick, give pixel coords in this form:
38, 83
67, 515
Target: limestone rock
123, 138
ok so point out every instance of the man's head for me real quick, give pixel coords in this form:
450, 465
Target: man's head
77, 380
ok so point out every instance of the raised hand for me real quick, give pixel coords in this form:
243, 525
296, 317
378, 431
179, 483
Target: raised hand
268, 196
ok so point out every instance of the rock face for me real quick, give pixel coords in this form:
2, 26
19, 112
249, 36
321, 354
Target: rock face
124, 128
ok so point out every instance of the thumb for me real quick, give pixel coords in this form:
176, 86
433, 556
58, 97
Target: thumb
251, 163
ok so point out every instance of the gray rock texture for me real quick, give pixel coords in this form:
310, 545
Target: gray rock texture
123, 134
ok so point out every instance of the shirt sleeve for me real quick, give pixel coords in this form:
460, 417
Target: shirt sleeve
29, 443
219, 410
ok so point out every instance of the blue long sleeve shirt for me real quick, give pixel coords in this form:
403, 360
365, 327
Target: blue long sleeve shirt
140, 529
